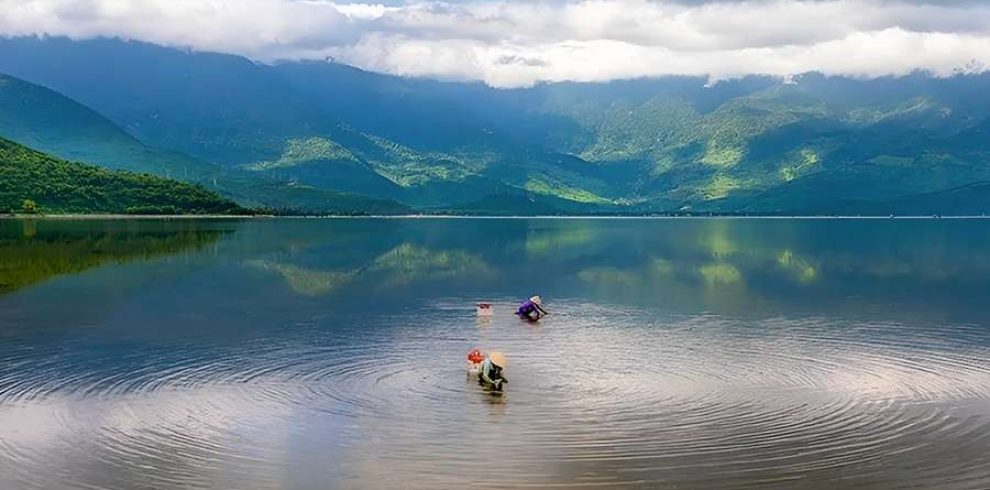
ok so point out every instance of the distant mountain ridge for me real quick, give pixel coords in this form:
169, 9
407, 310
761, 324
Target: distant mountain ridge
813, 145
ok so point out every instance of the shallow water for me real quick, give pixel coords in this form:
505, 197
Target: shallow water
330, 354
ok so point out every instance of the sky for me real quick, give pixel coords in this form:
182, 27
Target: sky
519, 43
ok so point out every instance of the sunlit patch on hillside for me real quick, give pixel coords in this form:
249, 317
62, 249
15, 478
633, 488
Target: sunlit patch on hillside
409, 168
306, 150
563, 191
720, 186
722, 156
807, 158
914, 107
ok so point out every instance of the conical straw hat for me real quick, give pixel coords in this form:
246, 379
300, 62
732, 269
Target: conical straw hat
499, 360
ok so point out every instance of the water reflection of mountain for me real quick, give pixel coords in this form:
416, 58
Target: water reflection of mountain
772, 266
404, 265
409, 263
324, 348
720, 265
307, 282
32, 251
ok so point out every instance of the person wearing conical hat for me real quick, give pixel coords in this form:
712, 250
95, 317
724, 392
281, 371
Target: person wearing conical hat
532, 309
491, 373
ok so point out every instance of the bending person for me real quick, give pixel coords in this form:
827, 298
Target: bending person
532, 309
491, 371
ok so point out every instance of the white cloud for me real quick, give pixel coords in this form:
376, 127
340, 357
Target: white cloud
519, 43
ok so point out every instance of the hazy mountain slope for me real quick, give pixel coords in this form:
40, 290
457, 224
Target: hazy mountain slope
767, 138
60, 186
420, 114
433, 140
655, 144
44, 119
221, 108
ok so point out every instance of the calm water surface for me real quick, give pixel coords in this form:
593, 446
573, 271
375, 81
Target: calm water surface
330, 354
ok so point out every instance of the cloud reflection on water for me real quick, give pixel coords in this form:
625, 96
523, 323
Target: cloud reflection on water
716, 354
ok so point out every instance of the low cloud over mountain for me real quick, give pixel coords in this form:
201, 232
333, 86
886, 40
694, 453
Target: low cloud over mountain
508, 44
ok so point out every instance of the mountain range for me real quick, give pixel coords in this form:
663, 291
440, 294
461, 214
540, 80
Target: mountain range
326, 137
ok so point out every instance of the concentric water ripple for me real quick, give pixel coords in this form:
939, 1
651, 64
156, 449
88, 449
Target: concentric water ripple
596, 398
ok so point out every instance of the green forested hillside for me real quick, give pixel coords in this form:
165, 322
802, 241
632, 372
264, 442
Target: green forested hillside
812, 144
50, 122
34, 182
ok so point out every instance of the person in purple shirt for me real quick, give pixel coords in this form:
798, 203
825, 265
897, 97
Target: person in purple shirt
532, 309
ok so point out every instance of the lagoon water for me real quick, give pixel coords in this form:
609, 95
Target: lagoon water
311, 353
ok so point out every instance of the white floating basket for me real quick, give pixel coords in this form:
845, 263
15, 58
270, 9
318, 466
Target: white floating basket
485, 309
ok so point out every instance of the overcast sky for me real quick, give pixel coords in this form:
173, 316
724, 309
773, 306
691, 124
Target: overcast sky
518, 43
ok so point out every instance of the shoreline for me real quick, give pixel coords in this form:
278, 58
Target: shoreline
169, 217
123, 216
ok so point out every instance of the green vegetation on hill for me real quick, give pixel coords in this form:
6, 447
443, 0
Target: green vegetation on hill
43, 119
322, 136
35, 182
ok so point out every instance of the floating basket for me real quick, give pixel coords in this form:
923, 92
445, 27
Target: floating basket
484, 309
